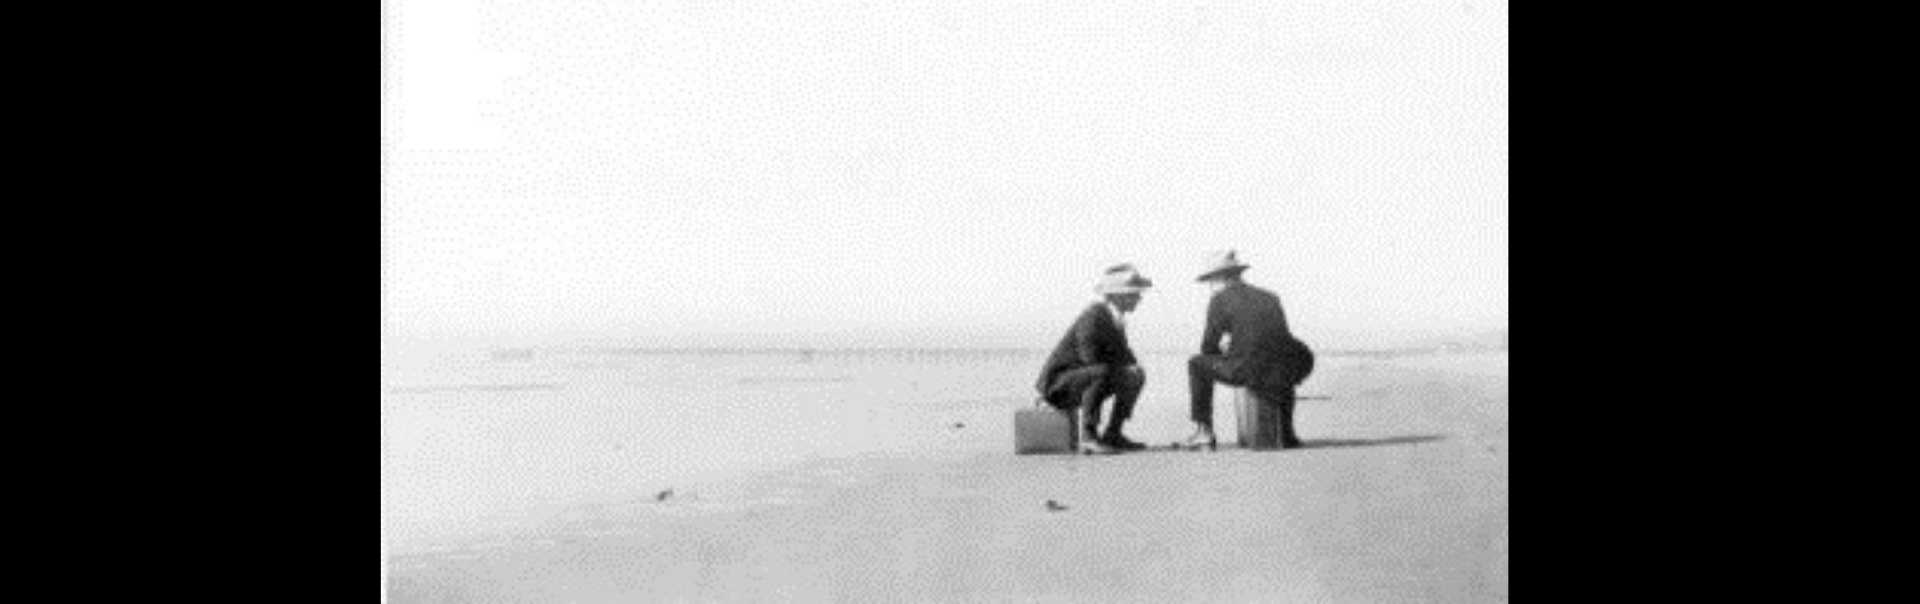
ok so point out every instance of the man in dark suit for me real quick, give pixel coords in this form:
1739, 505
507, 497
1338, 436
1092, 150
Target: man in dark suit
1263, 354
1093, 361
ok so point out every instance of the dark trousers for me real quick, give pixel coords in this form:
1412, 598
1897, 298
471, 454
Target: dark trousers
1205, 369
1087, 386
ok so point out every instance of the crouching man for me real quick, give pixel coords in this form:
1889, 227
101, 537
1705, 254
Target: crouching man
1094, 362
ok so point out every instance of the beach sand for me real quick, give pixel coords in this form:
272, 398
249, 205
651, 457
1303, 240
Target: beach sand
1400, 496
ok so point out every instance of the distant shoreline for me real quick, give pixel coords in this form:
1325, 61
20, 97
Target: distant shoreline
526, 353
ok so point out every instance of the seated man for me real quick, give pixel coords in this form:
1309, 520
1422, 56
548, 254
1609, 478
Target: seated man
1093, 362
1264, 356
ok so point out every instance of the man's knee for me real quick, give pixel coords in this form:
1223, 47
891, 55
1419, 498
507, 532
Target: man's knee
1095, 375
1094, 380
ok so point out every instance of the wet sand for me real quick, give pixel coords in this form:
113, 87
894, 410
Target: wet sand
1400, 496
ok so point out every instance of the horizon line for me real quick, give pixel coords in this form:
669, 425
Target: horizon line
654, 350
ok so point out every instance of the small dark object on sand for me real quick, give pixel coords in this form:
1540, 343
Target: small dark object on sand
663, 495
1054, 506
959, 425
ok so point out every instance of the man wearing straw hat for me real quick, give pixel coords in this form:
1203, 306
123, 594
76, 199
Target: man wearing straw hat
1093, 361
1263, 354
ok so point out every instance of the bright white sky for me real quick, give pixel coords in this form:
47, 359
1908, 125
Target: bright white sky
938, 173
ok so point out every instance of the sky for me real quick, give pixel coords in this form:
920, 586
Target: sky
939, 173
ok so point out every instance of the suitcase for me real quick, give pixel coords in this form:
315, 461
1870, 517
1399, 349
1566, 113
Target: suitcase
1043, 429
1258, 419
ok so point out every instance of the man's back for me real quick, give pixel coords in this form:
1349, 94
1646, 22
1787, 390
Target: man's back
1094, 338
1251, 314
1258, 324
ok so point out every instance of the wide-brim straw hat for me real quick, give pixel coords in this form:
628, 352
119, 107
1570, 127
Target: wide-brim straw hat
1122, 279
1222, 264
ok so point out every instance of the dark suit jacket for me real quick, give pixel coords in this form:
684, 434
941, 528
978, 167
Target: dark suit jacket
1094, 339
1264, 354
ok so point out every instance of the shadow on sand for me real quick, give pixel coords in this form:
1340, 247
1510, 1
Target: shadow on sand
1332, 443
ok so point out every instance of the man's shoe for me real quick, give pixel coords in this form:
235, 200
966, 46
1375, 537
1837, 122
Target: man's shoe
1120, 441
1202, 437
1090, 446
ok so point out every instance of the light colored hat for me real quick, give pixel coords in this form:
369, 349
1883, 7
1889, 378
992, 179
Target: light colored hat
1222, 263
1122, 279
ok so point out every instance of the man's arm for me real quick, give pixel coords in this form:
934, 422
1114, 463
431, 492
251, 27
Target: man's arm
1085, 337
1216, 327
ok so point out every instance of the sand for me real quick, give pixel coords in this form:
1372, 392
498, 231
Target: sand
1400, 496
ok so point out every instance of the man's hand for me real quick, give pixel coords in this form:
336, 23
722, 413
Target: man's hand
1136, 371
